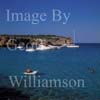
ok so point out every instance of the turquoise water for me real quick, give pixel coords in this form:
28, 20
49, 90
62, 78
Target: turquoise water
62, 63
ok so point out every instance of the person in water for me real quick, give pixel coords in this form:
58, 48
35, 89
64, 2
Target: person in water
28, 70
92, 70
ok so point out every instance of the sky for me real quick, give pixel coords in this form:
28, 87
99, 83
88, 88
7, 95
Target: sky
84, 18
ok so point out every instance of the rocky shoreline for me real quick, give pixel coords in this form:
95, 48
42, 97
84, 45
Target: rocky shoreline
33, 39
12, 94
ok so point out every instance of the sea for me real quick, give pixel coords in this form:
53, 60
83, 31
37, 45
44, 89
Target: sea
65, 63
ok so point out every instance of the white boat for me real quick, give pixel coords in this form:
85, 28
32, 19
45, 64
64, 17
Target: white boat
72, 45
30, 50
54, 47
64, 45
43, 47
31, 73
19, 47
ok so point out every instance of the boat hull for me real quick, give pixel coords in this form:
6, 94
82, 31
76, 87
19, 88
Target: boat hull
31, 73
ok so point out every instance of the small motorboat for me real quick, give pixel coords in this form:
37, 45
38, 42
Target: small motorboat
30, 50
30, 72
19, 47
73, 46
42, 47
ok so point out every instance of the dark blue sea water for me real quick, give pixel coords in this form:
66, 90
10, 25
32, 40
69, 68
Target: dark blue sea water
62, 63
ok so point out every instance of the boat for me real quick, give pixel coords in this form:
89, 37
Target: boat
30, 50
19, 47
43, 47
30, 72
63, 45
72, 45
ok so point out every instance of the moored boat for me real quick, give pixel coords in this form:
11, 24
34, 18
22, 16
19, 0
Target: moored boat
30, 50
72, 46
